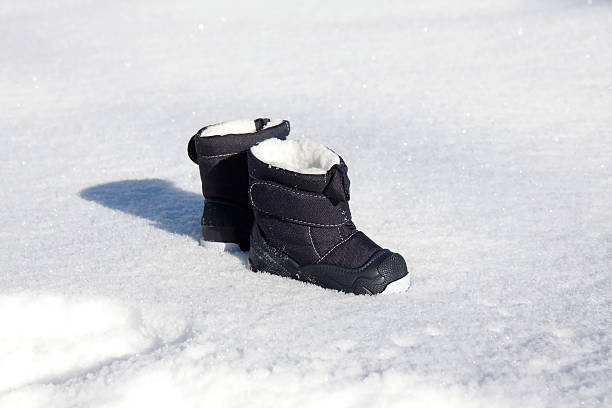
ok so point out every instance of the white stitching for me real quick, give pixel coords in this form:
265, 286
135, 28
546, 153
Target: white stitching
340, 233
312, 242
336, 246
298, 221
287, 218
290, 190
218, 155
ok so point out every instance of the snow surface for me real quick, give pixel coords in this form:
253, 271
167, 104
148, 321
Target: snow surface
478, 134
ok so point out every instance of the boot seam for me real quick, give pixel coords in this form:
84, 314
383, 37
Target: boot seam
291, 190
229, 203
312, 242
287, 218
218, 155
336, 246
301, 222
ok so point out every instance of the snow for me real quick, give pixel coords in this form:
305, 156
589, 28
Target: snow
51, 335
478, 135
399, 286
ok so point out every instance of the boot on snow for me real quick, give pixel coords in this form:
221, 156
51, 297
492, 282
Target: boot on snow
299, 193
220, 152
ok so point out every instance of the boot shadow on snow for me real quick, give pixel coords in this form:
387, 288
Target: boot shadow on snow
167, 207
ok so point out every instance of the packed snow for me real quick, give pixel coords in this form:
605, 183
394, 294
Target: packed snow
478, 135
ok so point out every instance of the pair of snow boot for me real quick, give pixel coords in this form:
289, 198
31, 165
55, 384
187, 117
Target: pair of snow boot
287, 200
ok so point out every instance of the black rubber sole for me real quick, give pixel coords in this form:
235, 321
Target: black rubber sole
383, 268
226, 234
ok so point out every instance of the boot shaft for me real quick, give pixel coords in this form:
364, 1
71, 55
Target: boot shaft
299, 193
220, 152
301, 204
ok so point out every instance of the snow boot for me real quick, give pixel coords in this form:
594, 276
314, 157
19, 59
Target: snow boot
299, 193
220, 152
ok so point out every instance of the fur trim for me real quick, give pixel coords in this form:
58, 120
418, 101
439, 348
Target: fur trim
300, 156
235, 127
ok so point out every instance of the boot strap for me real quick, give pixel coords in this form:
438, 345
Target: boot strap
297, 206
212, 147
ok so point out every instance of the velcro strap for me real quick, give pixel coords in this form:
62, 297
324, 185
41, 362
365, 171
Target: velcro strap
298, 206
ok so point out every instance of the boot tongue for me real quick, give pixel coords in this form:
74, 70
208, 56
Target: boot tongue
338, 187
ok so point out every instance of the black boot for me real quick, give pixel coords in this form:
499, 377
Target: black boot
299, 192
220, 152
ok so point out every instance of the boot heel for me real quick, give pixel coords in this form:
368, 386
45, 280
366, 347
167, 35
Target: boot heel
226, 222
266, 258
228, 235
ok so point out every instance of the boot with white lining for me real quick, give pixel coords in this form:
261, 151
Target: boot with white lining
220, 152
299, 192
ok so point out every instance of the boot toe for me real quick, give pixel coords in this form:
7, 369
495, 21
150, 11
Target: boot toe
396, 273
390, 272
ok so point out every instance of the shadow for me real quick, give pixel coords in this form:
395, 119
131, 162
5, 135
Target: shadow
167, 207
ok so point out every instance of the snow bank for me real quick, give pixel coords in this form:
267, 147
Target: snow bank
53, 337
192, 376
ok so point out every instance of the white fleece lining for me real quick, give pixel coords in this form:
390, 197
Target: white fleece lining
300, 156
235, 127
